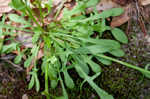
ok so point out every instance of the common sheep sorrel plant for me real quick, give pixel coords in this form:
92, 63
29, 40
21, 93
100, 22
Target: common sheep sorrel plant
68, 44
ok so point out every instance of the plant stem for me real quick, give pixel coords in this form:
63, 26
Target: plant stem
124, 63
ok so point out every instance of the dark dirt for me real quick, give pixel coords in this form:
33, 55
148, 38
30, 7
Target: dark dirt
13, 84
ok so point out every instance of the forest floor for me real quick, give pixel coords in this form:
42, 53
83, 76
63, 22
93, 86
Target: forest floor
118, 80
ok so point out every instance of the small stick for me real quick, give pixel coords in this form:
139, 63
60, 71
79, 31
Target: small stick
19, 68
140, 20
142, 26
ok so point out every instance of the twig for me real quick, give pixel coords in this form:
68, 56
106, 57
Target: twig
142, 25
140, 20
19, 68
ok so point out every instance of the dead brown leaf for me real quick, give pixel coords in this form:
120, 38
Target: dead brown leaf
25, 39
144, 2
4, 2
121, 2
106, 4
40, 54
119, 20
4, 6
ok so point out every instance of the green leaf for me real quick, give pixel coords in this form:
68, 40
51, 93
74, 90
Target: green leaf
105, 14
102, 42
37, 83
18, 58
36, 35
95, 67
63, 88
102, 94
119, 35
53, 59
18, 4
104, 61
1, 32
52, 73
68, 80
93, 49
91, 3
98, 49
47, 42
76, 10
16, 18
9, 48
82, 64
117, 52
112, 12
31, 84
28, 61
54, 84
117, 11
1, 43
146, 74
45, 70
61, 97
35, 50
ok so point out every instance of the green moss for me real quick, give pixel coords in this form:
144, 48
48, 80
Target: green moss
120, 81
126, 83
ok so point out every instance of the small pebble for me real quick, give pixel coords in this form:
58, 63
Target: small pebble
25, 96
